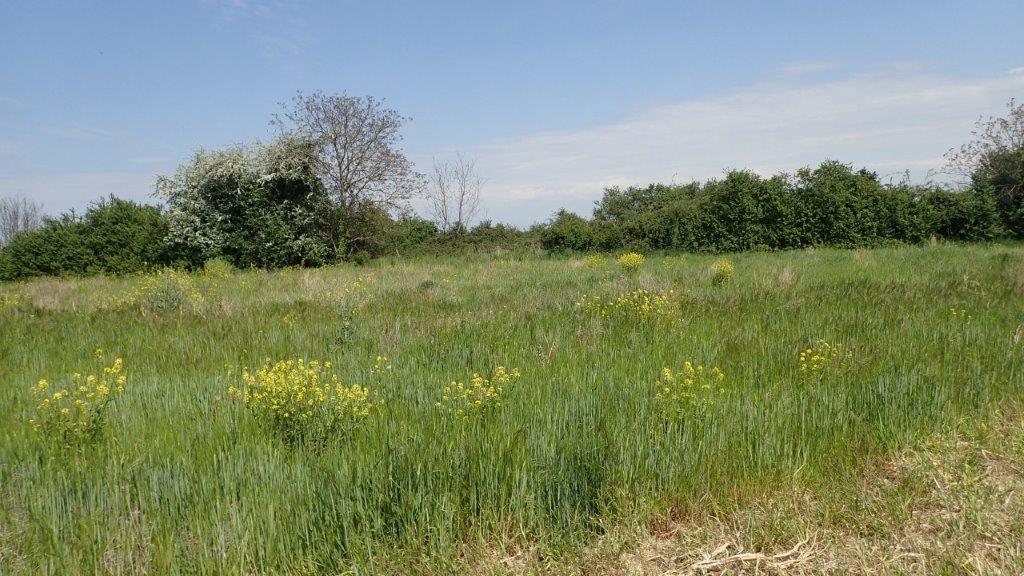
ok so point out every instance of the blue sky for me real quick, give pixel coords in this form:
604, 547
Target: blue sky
555, 100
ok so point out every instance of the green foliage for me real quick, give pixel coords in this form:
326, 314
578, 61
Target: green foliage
994, 162
1003, 174
831, 205
259, 206
567, 231
114, 236
971, 215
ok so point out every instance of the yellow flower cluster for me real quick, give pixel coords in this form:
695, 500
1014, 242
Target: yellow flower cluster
303, 401
594, 261
691, 388
960, 314
631, 261
381, 366
641, 304
9, 301
168, 290
76, 414
822, 356
481, 395
218, 268
721, 271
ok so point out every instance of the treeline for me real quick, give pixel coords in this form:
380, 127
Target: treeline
272, 220
334, 186
115, 236
831, 205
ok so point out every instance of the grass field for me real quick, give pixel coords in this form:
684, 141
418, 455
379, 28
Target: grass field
579, 465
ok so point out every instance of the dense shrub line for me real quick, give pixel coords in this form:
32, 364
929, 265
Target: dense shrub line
117, 236
113, 236
831, 205
257, 208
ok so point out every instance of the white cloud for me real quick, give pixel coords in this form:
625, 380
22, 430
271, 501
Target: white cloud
894, 120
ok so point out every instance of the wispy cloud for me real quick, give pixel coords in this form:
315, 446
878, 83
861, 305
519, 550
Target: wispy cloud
278, 25
9, 102
152, 160
81, 132
806, 68
241, 9
889, 121
9, 147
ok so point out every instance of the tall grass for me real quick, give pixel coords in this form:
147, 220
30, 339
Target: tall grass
186, 481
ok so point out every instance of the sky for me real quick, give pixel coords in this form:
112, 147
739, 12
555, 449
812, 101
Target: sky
554, 100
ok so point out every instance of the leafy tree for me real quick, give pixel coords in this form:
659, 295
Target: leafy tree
114, 236
259, 205
123, 236
994, 162
567, 231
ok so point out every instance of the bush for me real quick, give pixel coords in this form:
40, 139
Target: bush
168, 291
721, 272
972, 215
75, 415
567, 231
630, 261
114, 236
303, 402
259, 206
831, 205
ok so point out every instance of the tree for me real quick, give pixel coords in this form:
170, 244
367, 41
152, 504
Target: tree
567, 231
994, 159
454, 194
356, 143
17, 215
259, 205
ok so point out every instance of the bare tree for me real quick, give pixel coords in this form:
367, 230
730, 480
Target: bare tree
454, 194
17, 215
357, 145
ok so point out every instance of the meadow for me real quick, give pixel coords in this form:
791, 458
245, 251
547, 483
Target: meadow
522, 414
